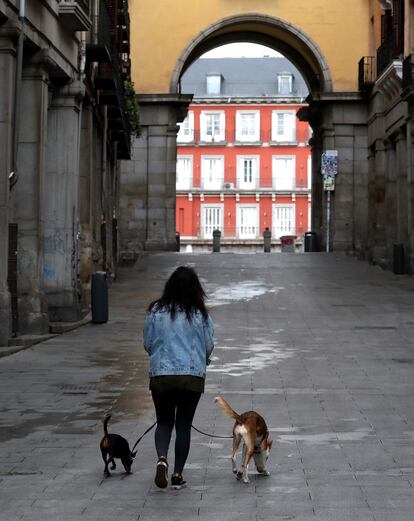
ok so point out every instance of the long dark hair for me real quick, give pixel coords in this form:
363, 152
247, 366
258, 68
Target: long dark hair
182, 292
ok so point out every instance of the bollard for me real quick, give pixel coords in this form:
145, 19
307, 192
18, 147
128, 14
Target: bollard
177, 241
99, 298
267, 240
216, 241
399, 261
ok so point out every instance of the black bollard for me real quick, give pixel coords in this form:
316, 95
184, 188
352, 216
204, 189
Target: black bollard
99, 298
216, 241
267, 240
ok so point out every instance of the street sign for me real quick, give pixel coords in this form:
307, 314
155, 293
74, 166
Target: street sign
329, 163
328, 183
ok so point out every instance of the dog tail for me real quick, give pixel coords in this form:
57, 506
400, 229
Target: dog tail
227, 409
106, 420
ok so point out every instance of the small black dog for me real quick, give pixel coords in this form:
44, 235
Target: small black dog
115, 446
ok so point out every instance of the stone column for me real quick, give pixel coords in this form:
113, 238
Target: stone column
147, 202
31, 160
339, 123
390, 206
410, 181
7, 89
61, 205
86, 193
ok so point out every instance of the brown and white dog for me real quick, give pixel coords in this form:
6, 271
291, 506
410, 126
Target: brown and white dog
252, 429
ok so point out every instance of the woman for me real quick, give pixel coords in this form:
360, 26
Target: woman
178, 336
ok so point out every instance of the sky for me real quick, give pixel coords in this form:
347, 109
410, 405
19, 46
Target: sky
240, 50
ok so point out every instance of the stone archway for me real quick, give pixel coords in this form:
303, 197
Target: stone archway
338, 119
272, 32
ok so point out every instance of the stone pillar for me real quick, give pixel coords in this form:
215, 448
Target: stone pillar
147, 202
29, 189
376, 204
339, 123
87, 170
390, 199
7, 89
410, 188
61, 205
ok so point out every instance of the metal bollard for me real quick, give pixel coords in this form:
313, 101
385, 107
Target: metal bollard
399, 259
177, 241
99, 298
216, 241
267, 240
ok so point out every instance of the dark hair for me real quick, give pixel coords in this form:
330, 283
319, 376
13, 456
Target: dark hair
182, 292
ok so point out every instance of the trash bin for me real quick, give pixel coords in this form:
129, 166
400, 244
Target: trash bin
399, 259
288, 243
99, 298
311, 242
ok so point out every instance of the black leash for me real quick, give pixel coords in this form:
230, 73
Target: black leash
146, 432
195, 428
210, 435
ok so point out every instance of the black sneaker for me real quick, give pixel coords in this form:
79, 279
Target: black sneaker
177, 481
161, 473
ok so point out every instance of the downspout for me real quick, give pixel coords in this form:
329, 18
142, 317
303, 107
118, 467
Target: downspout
13, 177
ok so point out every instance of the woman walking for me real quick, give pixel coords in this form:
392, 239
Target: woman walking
178, 337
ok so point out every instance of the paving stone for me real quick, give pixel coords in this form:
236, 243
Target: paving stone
321, 345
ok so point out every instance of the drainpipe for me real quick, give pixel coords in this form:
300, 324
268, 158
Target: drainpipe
18, 94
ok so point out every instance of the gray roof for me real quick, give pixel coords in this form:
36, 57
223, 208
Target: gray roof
243, 77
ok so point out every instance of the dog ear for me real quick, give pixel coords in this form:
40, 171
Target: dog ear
269, 444
133, 454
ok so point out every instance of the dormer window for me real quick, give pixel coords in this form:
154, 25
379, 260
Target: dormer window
213, 84
284, 84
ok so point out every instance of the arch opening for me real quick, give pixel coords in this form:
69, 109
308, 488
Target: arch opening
272, 32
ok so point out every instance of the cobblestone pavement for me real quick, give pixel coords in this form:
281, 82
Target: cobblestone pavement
321, 345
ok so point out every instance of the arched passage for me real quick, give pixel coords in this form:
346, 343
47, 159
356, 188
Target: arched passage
266, 30
337, 116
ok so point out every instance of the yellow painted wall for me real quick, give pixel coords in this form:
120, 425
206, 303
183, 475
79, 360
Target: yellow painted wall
161, 30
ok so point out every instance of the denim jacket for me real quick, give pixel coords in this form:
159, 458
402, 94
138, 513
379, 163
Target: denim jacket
178, 347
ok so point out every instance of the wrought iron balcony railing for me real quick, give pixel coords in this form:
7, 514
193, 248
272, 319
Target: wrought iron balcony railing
408, 72
385, 54
366, 73
99, 47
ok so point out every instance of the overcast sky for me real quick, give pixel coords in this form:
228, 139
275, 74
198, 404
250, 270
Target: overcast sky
240, 50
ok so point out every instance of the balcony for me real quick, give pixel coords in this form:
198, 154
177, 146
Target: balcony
75, 14
408, 72
366, 73
385, 55
99, 48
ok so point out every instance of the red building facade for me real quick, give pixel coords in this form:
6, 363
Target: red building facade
243, 165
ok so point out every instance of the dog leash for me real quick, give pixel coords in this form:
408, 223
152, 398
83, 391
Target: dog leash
210, 435
195, 428
146, 432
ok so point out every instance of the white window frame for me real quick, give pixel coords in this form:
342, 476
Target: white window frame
249, 137
241, 183
207, 233
250, 231
288, 135
184, 183
212, 136
210, 182
215, 77
186, 132
278, 231
279, 83
285, 183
